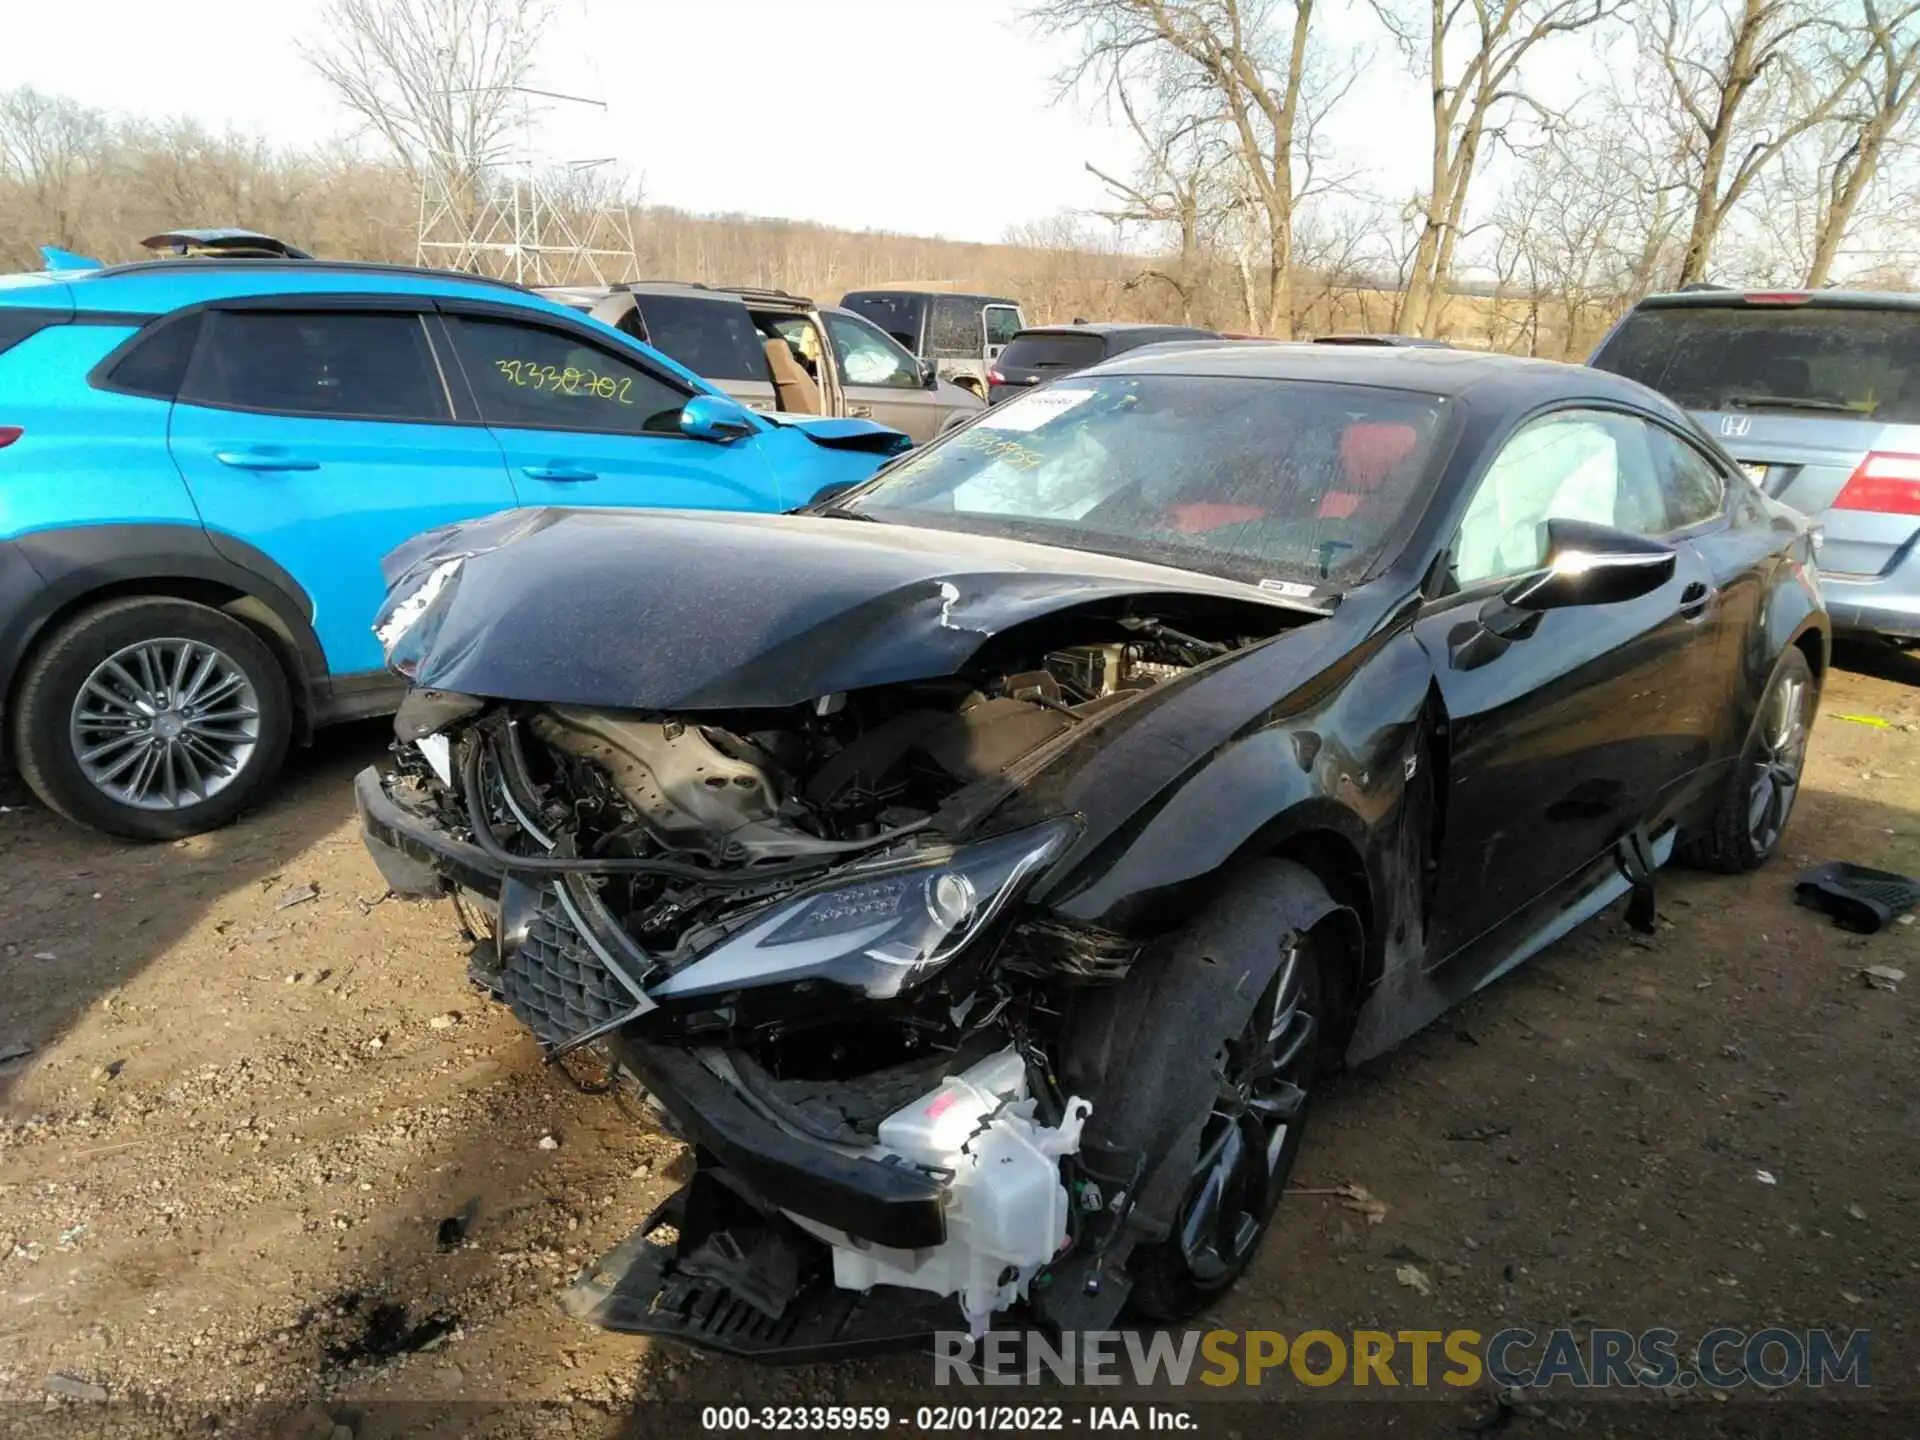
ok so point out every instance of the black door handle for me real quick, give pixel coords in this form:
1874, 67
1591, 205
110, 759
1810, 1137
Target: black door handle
1695, 599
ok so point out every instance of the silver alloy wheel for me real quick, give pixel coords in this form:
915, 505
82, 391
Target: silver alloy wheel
1776, 769
164, 724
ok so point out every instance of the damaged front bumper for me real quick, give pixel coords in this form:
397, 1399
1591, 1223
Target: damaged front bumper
418, 859
788, 1251
942, 1205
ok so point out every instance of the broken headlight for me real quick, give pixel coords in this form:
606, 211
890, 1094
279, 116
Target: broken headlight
399, 619
879, 932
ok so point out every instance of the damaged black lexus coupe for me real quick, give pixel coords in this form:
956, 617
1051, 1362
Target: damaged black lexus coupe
979, 868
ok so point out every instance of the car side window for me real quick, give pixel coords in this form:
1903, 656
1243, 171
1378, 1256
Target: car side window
956, 328
1573, 465
529, 376
867, 357
714, 337
1003, 323
1693, 490
335, 364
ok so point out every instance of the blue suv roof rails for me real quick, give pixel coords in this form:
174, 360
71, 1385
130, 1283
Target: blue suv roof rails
369, 267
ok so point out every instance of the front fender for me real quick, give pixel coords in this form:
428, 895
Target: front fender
803, 467
1336, 765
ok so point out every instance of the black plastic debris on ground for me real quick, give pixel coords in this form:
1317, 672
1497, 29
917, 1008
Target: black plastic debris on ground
1861, 900
386, 1333
452, 1231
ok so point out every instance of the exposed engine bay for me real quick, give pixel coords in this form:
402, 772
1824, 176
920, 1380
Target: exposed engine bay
797, 911
737, 807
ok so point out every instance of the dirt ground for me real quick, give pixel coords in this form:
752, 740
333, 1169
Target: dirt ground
256, 1090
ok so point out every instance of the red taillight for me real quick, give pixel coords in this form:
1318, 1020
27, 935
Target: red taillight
9, 434
1777, 297
1887, 483
994, 377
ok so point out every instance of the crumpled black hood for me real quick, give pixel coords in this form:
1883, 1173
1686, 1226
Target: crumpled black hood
697, 610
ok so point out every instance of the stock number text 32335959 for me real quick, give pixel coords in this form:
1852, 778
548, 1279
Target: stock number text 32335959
568, 381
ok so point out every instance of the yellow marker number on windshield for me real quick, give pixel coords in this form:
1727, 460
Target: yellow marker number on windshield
996, 448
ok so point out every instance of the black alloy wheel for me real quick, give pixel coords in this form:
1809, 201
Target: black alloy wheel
1756, 800
1248, 1143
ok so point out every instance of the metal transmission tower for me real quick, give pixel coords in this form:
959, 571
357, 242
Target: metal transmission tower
516, 227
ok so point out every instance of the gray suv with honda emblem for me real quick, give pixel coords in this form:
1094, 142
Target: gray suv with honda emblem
1817, 395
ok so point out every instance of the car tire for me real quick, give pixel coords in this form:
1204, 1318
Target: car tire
186, 718
1756, 800
1175, 1279
1219, 1032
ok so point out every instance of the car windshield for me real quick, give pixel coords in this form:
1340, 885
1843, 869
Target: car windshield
1800, 359
1248, 478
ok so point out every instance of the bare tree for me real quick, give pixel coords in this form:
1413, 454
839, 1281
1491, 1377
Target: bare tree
1746, 79
1869, 122
1244, 60
1172, 190
1469, 53
435, 79
47, 146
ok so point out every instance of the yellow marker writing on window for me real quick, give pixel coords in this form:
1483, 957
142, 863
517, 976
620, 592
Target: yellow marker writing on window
568, 381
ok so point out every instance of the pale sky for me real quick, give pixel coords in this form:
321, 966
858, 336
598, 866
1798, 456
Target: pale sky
931, 117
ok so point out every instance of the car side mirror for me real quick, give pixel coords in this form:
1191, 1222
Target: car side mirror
929, 375
1590, 564
717, 419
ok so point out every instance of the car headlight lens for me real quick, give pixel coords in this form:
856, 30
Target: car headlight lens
881, 933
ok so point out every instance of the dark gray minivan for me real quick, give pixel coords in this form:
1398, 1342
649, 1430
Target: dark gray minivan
960, 335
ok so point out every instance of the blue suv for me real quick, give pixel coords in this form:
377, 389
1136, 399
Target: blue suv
202, 462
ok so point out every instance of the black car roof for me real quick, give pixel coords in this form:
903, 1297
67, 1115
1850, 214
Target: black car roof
1115, 327
1500, 379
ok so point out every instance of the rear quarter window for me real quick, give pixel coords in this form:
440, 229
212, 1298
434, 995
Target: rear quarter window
1844, 362
157, 363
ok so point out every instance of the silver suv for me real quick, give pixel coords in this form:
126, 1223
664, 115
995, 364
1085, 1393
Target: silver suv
780, 352
1817, 395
